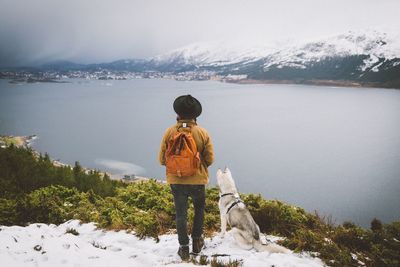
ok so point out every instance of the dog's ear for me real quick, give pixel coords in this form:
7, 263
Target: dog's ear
219, 172
227, 170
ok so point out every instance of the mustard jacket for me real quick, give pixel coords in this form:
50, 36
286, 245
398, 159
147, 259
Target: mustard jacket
204, 146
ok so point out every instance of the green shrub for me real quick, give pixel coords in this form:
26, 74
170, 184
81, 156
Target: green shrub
8, 212
148, 195
146, 224
53, 204
352, 237
231, 263
376, 225
314, 241
112, 212
276, 217
86, 210
393, 229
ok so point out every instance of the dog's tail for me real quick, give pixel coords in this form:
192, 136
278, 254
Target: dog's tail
271, 247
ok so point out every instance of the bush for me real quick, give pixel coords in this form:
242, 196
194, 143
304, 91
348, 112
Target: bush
8, 212
314, 241
376, 225
352, 237
148, 195
53, 204
393, 230
276, 217
111, 213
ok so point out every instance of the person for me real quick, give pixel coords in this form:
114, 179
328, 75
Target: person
188, 109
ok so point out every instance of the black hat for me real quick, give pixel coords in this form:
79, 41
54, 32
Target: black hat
188, 107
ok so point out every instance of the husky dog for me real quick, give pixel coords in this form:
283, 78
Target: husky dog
233, 211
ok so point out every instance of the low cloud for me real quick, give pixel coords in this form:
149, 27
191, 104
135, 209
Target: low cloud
121, 167
34, 32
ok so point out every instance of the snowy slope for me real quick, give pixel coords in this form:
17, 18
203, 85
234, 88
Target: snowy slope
214, 54
50, 245
373, 44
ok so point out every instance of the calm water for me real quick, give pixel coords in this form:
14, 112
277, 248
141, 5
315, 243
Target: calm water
335, 150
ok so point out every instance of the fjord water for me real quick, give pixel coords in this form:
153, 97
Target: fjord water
334, 150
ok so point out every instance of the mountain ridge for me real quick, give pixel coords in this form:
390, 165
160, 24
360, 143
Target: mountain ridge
370, 58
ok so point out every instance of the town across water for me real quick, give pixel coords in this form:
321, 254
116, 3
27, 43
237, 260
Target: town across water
334, 150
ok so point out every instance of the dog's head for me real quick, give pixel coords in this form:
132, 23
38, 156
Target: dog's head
225, 182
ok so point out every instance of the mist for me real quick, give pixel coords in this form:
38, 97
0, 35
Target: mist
33, 32
120, 167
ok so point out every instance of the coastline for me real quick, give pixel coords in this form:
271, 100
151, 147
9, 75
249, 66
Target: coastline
17, 140
25, 141
336, 83
236, 80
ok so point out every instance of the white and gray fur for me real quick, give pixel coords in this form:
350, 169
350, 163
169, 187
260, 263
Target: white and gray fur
245, 230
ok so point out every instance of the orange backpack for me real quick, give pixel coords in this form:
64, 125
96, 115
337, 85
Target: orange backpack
181, 155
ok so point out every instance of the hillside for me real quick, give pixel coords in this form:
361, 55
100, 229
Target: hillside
368, 57
356, 58
33, 190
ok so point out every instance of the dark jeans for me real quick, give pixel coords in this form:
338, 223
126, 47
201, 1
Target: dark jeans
181, 193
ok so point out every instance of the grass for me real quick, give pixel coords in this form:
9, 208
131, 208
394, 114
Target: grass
71, 231
215, 262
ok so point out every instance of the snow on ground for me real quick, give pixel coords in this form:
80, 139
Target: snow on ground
50, 245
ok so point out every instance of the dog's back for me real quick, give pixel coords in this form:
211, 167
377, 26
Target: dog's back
246, 231
242, 219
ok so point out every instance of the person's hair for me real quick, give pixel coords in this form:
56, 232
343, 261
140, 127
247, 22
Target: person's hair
179, 117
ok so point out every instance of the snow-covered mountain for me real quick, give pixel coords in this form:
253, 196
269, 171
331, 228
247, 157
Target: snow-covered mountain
214, 54
369, 56
374, 43
365, 57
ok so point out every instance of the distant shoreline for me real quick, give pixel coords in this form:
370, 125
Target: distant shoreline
238, 79
19, 141
338, 83
37, 80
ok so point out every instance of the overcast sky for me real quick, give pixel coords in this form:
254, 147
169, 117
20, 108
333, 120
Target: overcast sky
35, 31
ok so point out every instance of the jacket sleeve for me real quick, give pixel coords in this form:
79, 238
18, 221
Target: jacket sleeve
163, 147
208, 152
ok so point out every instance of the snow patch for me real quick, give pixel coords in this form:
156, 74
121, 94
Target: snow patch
50, 245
